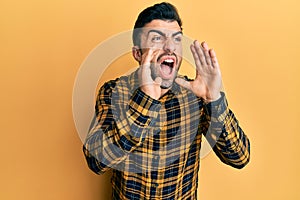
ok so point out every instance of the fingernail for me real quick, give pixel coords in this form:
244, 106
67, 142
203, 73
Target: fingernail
205, 46
212, 52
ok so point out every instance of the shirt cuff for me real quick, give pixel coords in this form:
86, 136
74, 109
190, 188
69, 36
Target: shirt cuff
218, 110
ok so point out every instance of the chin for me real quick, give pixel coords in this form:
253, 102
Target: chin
165, 87
166, 84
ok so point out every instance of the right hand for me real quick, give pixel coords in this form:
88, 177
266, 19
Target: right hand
147, 84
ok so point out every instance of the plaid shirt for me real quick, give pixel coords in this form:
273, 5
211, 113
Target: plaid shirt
153, 146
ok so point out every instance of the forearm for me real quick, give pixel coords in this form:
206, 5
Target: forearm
118, 130
100, 150
233, 145
226, 136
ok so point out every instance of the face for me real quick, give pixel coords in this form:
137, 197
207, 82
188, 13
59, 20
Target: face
166, 38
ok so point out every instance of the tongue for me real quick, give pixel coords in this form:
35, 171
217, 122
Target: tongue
166, 69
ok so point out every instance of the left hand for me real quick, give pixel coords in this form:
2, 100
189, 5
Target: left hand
208, 81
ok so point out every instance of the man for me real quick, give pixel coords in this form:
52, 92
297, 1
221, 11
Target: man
148, 125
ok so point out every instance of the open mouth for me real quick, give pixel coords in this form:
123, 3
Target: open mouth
167, 66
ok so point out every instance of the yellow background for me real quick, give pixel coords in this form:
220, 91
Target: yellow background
43, 43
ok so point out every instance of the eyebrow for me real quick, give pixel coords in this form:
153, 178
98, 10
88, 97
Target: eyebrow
163, 34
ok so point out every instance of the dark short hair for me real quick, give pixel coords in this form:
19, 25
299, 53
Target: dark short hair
163, 11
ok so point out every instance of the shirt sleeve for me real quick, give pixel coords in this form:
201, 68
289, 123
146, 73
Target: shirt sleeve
119, 127
225, 135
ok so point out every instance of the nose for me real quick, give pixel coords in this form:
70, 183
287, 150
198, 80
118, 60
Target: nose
169, 46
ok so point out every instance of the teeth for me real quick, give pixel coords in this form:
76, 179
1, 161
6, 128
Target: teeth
169, 61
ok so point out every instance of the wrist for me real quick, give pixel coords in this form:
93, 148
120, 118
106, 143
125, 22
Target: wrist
213, 98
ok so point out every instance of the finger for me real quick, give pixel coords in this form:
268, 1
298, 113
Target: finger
196, 57
155, 55
158, 80
147, 56
213, 58
206, 53
199, 51
145, 68
183, 83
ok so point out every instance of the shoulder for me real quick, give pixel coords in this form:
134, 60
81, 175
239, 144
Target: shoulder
122, 83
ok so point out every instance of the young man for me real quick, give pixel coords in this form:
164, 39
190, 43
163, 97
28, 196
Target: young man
148, 125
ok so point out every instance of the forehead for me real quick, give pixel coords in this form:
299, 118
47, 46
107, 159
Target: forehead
165, 26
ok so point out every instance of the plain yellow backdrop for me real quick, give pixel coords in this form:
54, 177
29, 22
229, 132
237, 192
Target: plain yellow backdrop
43, 43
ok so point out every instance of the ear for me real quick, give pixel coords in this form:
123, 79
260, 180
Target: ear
137, 54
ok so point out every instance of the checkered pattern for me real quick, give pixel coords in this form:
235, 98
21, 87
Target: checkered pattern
153, 146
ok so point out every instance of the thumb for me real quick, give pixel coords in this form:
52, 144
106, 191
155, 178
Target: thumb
183, 83
158, 81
